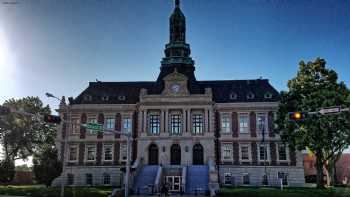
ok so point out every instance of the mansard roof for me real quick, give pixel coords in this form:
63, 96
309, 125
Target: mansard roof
128, 92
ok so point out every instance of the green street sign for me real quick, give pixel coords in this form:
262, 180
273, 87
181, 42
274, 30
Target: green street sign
94, 126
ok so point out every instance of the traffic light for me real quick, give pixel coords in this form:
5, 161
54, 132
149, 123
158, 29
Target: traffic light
296, 116
4, 110
52, 119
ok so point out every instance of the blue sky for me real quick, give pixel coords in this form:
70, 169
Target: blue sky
58, 46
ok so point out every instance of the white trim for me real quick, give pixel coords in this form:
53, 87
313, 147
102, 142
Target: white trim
77, 153
230, 146
245, 174
222, 114
249, 152
278, 154
268, 152
120, 151
103, 151
87, 154
239, 123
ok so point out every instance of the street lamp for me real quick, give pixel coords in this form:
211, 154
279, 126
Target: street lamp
49, 95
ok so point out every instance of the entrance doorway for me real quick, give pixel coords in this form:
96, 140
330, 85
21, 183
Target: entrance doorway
198, 155
174, 183
153, 154
175, 154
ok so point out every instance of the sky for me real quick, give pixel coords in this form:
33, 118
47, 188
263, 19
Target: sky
58, 46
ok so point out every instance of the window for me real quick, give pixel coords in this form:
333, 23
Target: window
282, 152
227, 151
127, 125
227, 179
73, 153
225, 123
87, 98
70, 179
175, 124
88, 179
90, 152
244, 152
123, 152
263, 153
246, 179
243, 123
284, 177
262, 123
106, 179
197, 123
267, 95
92, 120
105, 98
264, 180
75, 126
154, 124
110, 123
233, 96
108, 153
250, 95
121, 97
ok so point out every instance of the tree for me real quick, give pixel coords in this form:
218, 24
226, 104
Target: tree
7, 171
22, 135
313, 88
46, 165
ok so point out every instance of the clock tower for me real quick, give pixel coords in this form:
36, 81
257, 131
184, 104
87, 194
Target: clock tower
177, 51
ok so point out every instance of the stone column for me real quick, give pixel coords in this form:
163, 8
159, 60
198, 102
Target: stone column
211, 121
184, 129
145, 120
206, 128
189, 120
139, 123
166, 125
162, 123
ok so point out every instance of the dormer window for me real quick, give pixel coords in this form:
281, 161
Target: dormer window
105, 98
267, 95
233, 96
250, 95
121, 97
87, 98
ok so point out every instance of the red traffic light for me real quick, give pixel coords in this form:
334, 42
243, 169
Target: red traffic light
296, 116
52, 119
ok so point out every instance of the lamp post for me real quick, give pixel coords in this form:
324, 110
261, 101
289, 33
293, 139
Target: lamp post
49, 95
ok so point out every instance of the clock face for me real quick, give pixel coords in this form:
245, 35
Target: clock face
175, 88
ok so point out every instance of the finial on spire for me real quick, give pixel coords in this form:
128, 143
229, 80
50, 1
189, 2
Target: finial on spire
177, 3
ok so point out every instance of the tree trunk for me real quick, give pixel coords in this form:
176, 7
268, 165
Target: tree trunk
319, 170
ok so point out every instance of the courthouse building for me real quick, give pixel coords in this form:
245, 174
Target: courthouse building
191, 134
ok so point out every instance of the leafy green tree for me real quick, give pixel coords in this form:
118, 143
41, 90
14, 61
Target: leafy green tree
46, 165
22, 135
7, 171
315, 87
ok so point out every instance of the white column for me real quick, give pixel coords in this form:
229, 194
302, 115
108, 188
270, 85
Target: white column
166, 125
189, 125
184, 129
211, 120
162, 121
206, 128
139, 123
145, 121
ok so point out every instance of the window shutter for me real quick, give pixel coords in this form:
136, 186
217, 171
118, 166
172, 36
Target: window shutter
234, 124
271, 124
252, 120
217, 124
273, 153
135, 125
118, 124
83, 120
100, 120
254, 153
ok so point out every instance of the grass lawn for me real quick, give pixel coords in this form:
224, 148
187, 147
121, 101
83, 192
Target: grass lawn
41, 191
287, 192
